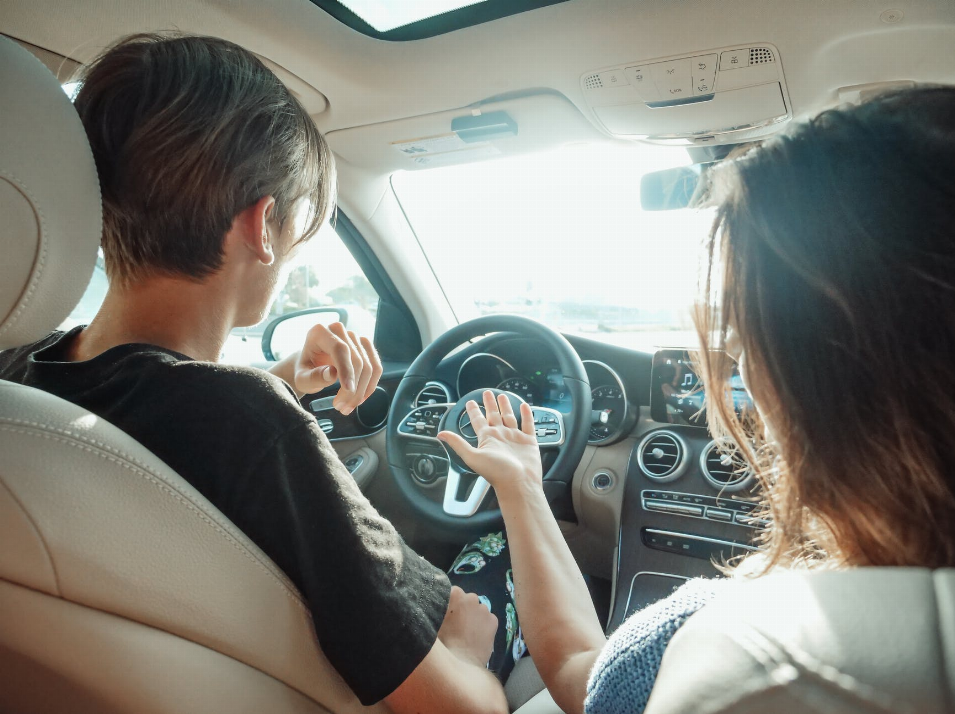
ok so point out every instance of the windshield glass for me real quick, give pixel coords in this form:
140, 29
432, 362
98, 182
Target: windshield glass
560, 237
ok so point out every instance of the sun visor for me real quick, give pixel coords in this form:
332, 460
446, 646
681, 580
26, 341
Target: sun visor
314, 101
718, 96
489, 130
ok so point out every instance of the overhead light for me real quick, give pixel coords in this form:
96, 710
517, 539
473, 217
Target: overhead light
386, 15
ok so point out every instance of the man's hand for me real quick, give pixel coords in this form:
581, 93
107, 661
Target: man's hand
468, 629
454, 677
507, 456
333, 354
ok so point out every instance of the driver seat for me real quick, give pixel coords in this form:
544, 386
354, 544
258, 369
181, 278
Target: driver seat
122, 589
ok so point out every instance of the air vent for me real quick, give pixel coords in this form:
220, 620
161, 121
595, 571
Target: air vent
722, 470
433, 393
662, 456
760, 55
593, 82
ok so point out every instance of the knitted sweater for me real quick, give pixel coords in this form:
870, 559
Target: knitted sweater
623, 676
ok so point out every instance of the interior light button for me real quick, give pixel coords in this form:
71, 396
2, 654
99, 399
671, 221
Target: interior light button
640, 78
673, 79
613, 78
703, 69
734, 59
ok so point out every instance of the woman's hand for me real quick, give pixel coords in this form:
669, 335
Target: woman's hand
507, 456
333, 354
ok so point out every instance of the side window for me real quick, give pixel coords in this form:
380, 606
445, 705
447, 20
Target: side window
323, 274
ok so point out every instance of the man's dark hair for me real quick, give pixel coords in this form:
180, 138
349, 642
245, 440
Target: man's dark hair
187, 132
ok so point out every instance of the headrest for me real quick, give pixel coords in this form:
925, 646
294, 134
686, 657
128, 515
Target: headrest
50, 210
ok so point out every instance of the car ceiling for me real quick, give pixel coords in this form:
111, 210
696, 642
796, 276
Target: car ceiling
348, 80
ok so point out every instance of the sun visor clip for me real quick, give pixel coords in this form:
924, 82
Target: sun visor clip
484, 127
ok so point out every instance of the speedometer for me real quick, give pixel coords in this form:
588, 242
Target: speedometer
521, 387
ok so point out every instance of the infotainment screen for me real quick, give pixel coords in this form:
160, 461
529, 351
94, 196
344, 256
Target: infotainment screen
676, 393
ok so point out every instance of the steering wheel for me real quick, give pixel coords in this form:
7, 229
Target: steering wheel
415, 453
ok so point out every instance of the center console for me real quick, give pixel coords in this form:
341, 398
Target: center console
686, 503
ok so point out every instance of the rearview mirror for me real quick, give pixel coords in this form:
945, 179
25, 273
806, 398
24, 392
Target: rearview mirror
284, 335
670, 189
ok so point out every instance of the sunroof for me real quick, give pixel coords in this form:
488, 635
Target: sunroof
417, 19
386, 15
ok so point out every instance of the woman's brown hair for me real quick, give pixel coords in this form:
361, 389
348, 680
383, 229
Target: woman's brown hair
186, 133
832, 259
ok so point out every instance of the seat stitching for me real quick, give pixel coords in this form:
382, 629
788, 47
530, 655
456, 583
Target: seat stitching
38, 269
39, 534
156, 628
164, 486
109, 449
75, 435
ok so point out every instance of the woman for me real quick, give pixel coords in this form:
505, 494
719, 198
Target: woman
831, 279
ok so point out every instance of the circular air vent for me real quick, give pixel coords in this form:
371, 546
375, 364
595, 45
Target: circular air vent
662, 455
722, 470
433, 393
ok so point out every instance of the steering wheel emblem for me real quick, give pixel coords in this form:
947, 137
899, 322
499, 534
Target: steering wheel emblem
465, 428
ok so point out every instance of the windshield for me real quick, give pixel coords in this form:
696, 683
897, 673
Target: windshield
560, 237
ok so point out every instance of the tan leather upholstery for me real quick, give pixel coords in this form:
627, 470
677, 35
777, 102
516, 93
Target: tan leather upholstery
49, 200
866, 641
90, 521
121, 588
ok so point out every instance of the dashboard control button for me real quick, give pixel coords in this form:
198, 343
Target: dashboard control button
703, 70
719, 514
740, 506
613, 78
640, 79
696, 546
425, 469
673, 80
672, 507
746, 520
602, 481
734, 59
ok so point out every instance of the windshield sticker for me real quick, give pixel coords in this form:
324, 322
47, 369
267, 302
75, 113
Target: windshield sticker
457, 157
440, 144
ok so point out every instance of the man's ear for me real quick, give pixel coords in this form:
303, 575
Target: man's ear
251, 230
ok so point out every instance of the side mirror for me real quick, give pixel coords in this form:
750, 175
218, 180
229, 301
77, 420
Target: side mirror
670, 189
285, 333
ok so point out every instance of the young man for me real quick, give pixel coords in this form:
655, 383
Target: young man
212, 175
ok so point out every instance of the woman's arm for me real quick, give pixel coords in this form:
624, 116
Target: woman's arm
557, 616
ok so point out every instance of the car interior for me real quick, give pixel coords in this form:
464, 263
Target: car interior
513, 213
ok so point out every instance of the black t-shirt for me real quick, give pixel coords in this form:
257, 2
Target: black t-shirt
240, 437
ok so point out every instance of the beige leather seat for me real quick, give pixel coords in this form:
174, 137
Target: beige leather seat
121, 588
867, 641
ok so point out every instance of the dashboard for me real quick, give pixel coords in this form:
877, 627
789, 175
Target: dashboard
655, 499
539, 382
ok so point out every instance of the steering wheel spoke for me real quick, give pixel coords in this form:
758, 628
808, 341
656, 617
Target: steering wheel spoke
423, 422
472, 501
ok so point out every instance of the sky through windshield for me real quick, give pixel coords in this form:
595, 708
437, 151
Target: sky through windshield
560, 236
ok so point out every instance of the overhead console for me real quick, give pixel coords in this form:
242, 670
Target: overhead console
726, 95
